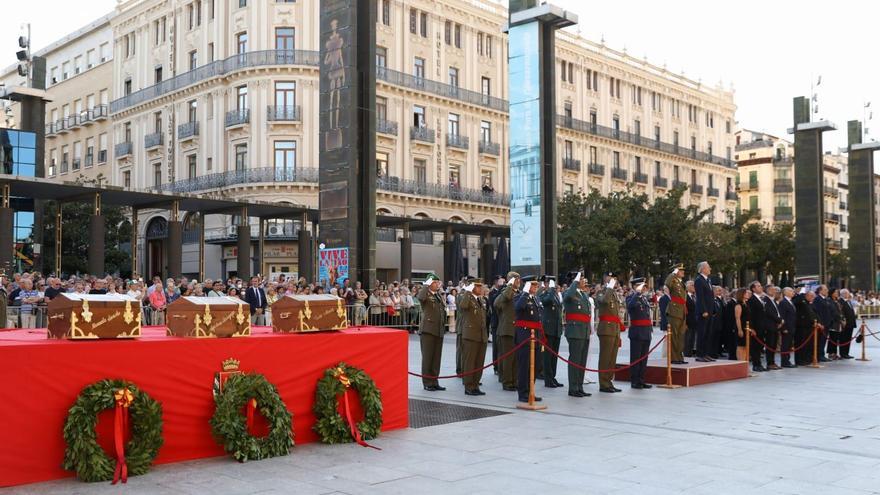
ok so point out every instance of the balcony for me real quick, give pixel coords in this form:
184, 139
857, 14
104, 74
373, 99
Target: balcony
783, 214
640, 178
844, 205
697, 189
386, 127
832, 191
755, 213
239, 117
569, 163
100, 112
284, 113
440, 89
748, 186
153, 140
123, 149
661, 182
731, 196
420, 133
62, 125
678, 183
713, 192
832, 244
832, 217
51, 129
102, 156
85, 118
444, 191
216, 69
626, 137
782, 186
188, 130
74, 121
597, 169
490, 148
457, 141
782, 161
753, 145
844, 227
619, 174
222, 180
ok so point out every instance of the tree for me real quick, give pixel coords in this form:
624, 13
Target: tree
75, 238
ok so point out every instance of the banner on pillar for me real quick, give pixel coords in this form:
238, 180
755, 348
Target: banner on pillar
525, 147
333, 266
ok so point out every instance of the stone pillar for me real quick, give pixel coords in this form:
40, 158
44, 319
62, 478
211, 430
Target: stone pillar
7, 242
244, 247
306, 258
487, 258
134, 243
447, 255
862, 229
406, 254
96, 240
174, 242
201, 247
260, 247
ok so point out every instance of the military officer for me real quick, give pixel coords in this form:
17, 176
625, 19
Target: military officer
474, 337
504, 306
578, 311
676, 312
529, 314
610, 326
497, 285
458, 344
551, 300
431, 330
640, 328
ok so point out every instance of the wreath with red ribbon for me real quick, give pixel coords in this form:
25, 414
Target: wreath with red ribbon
334, 389
131, 405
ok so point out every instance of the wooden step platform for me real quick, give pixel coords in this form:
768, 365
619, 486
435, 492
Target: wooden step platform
691, 374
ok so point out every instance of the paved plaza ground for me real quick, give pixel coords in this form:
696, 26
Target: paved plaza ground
798, 431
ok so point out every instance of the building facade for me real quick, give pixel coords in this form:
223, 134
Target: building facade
220, 97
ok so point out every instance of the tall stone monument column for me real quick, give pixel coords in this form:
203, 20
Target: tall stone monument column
862, 217
532, 95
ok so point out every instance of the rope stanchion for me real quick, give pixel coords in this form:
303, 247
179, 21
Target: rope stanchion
612, 370
864, 343
531, 406
668, 338
748, 356
815, 363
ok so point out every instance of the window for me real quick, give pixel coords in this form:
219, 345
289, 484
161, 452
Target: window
616, 160
190, 19
104, 51
52, 162
157, 174
486, 180
727, 127
453, 77
753, 203
102, 148
77, 154
486, 86
564, 73
675, 173
191, 166
90, 58
157, 74
381, 56
163, 28
381, 164
420, 171
594, 159
590, 79
210, 10
694, 176
241, 156
675, 139
242, 4
157, 122
284, 38
285, 94
423, 24
567, 112
693, 143
381, 108
193, 59
241, 43
637, 127
479, 43
386, 12
728, 153
198, 12
709, 148
419, 118
486, 131
210, 52
209, 163
285, 157
638, 163
657, 133
455, 176
569, 188
126, 179
419, 68
126, 132
90, 151
488, 46
53, 75
615, 126
570, 72
569, 150
447, 32
658, 170
594, 120
458, 35
241, 98
64, 158
611, 87
65, 68
77, 64
192, 106
711, 183
453, 124
413, 20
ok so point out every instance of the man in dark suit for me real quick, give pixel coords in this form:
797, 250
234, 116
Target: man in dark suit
690, 320
756, 324
493, 317
704, 302
256, 298
789, 326
806, 318
849, 323
662, 304
717, 334
822, 308
773, 325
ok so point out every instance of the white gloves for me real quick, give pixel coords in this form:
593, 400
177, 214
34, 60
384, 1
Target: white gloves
551, 284
803, 290
429, 280
469, 287
611, 283
510, 281
639, 287
577, 278
527, 287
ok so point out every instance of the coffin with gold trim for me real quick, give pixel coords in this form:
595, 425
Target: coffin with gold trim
94, 316
200, 317
313, 313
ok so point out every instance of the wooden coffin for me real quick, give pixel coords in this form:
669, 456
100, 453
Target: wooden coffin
200, 317
308, 313
94, 316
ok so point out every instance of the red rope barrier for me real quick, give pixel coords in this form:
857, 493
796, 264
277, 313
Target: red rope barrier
779, 351
471, 372
614, 370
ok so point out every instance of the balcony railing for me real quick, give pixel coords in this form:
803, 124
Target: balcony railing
782, 185
420, 133
187, 130
238, 117
755, 213
74, 120
783, 214
100, 112
832, 191
597, 169
713, 192
123, 149
409, 186
61, 126
76, 163
153, 140
782, 161
457, 141
490, 148
571, 164
90, 160
386, 127
661, 182
223, 180
640, 178
748, 186
440, 89
696, 189
731, 196
51, 128
284, 113
678, 183
832, 217
63, 168
832, 244
216, 69
619, 174
608, 132
762, 143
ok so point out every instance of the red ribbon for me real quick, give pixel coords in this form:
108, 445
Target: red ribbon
355, 433
251, 407
528, 324
578, 317
613, 319
120, 426
641, 323
680, 300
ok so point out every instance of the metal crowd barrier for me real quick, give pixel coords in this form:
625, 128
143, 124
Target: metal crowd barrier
868, 311
14, 318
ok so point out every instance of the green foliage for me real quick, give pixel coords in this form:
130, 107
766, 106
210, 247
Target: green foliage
331, 426
229, 426
86, 457
76, 239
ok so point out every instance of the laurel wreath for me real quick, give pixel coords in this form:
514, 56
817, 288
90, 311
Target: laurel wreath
331, 426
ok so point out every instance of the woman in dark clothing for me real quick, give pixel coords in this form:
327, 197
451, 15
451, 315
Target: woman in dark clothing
741, 317
836, 323
729, 328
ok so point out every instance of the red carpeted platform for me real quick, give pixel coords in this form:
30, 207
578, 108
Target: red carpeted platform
691, 374
41, 379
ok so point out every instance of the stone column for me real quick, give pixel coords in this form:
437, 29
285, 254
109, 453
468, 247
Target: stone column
175, 242
406, 254
244, 247
96, 240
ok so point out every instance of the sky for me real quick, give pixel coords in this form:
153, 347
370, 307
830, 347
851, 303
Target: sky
767, 51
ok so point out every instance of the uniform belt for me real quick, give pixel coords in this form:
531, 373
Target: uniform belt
678, 300
528, 324
613, 319
641, 323
578, 317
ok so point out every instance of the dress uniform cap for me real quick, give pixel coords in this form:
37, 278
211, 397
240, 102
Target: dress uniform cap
678, 266
528, 278
637, 280
547, 278
511, 275
475, 281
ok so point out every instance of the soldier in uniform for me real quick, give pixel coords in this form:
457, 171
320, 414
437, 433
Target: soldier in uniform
472, 307
504, 306
610, 326
431, 330
493, 317
458, 344
640, 328
676, 312
578, 311
551, 300
529, 314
